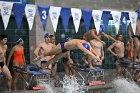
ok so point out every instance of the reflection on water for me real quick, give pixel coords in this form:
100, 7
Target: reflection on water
125, 86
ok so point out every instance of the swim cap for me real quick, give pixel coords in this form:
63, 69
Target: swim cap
19, 40
86, 46
68, 38
47, 35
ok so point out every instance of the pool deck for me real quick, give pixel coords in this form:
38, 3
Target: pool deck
109, 76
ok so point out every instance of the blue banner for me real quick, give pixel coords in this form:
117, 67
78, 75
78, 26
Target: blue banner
43, 13
65, 15
105, 18
87, 15
124, 18
18, 10
138, 11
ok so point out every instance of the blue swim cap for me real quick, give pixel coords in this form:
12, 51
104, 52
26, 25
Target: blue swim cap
86, 46
68, 39
47, 35
18, 39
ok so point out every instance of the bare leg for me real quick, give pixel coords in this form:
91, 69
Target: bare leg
54, 59
15, 78
67, 69
8, 76
54, 69
136, 49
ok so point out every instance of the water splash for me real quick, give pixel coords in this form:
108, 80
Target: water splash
48, 88
71, 85
124, 86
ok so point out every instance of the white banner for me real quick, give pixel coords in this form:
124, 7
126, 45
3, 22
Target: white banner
116, 17
30, 11
54, 15
6, 8
76, 14
133, 18
97, 14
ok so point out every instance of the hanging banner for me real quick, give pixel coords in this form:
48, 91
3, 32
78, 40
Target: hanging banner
97, 14
65, 15
133, 18
116, 17
87, 15
54, 15
43, 13
6, 8
76, 14
18, 10
105, 18
124, 18
30, 11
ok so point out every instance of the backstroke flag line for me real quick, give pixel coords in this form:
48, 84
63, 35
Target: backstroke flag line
43, 13
30, 11
97, 14
105, 17
87, 15
133, 17
18, 10
116, 17
54, 15
124, 18
76, 14
6, 8
65, 15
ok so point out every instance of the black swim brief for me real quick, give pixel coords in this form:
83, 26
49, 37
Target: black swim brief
1, 64
63, 47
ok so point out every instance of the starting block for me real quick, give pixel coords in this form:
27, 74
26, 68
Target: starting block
94, 83
38, 88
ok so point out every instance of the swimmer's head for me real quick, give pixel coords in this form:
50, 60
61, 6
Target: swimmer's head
47, 35
19, 40
68, 39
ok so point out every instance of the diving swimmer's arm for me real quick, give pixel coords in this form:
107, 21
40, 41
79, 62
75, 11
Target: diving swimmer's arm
108, 36
129, 31
80, 46
96, 37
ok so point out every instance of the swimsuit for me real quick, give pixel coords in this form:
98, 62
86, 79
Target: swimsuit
1, 64
18, 56
63, 47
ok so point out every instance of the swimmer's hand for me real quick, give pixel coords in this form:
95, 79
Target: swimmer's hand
98, 58
103, 42
38, 58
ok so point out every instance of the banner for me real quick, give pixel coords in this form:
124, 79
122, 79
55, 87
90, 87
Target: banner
97, 14
116, 17
65, 15
18, 10
87, 15
133, 17
43, 13
105, 17
76, 14
124, 18
30, 11
6, 8
54, 15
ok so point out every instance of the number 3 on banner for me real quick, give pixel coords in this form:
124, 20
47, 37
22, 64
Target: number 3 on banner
44, 15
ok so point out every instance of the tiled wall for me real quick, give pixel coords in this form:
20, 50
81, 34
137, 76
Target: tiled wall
77, 54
